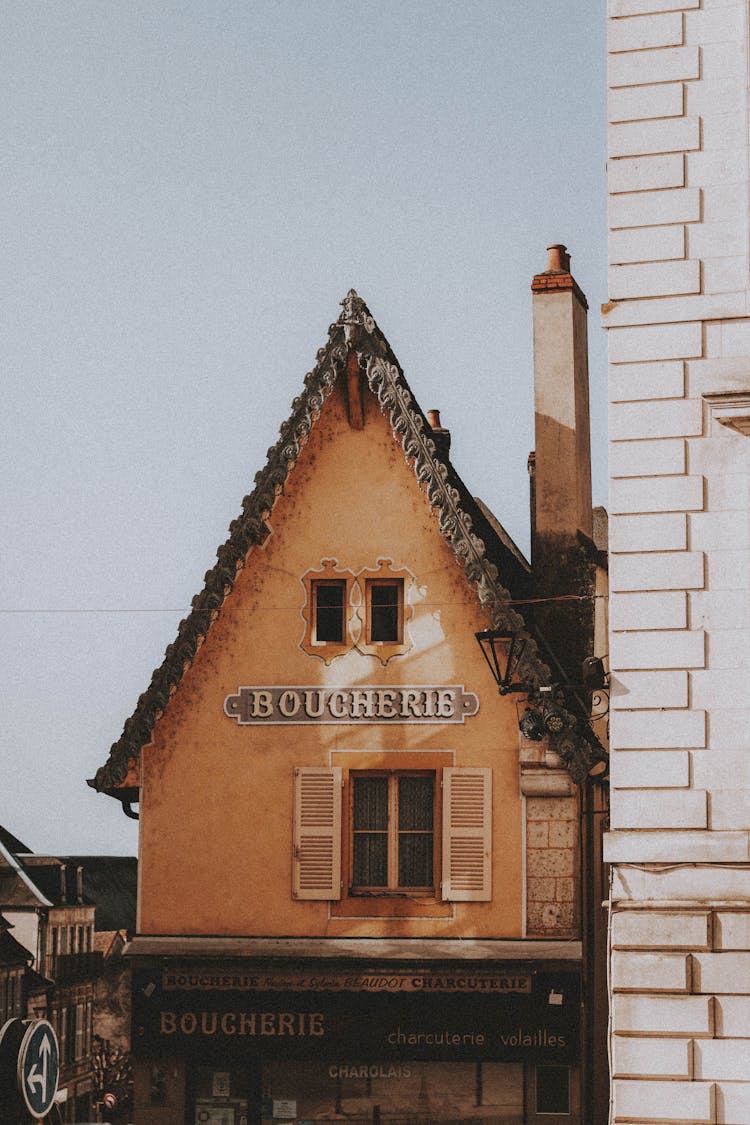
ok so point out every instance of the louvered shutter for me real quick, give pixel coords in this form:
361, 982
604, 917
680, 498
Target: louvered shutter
467, 835
316, 864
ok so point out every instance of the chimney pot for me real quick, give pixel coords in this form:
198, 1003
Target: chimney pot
440, 435
558, 258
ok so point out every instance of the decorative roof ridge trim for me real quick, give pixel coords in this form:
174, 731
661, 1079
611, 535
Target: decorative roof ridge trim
248, 530
388, 384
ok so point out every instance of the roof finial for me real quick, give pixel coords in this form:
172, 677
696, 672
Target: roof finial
355, 315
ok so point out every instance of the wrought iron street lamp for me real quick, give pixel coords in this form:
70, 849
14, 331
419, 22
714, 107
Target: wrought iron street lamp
503, 650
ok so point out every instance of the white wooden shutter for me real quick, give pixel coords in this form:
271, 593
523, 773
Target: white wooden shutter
316, 863
467, 835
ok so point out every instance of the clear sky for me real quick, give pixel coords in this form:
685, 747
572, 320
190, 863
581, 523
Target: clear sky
190, 188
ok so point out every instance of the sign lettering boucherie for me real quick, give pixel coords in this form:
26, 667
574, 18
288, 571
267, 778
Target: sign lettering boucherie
448, 703
197, 979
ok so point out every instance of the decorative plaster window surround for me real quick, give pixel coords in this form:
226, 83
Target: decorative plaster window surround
367, 610
328, 612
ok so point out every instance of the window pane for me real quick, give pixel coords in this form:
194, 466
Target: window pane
415, 803
415, 859
370, 803
370, 867
329, 611
370, 859
384, 612
552, 1089
415, 838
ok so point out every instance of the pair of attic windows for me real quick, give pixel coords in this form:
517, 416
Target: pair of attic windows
384, 611
366, 609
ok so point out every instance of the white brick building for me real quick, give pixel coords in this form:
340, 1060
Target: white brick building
678, 321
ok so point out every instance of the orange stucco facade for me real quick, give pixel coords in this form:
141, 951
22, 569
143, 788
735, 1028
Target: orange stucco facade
216, 796
360, 886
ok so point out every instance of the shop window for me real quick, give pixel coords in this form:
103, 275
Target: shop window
385, 611
389, 835
328, 612
553, 1090
393, 832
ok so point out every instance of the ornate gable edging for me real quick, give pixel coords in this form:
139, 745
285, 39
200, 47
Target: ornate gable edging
389, 386
248, 530
355, 329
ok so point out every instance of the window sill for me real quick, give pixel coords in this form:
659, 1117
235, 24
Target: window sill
391, 906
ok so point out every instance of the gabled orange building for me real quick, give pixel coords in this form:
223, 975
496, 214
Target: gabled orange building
360, 895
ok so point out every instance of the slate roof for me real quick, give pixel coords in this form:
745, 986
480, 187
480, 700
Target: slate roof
110, 882
492, 567
12, 843
45, 875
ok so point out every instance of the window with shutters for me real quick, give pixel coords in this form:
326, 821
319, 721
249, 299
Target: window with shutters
422, 835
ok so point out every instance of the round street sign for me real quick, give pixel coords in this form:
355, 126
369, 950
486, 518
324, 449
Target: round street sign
38, 1068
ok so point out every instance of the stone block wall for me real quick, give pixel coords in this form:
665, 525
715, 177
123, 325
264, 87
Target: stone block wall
552, 867
681, 1004
678, 321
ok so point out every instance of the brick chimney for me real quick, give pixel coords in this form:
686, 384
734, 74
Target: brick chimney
561, 401
560, 468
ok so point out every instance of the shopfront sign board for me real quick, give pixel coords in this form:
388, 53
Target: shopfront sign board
538, 1020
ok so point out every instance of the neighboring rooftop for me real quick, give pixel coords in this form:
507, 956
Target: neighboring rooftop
108, 883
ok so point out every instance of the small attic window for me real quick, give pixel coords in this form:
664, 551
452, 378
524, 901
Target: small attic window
328, 611
385, 611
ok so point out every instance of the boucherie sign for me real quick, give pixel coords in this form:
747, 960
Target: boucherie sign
367, 704
378, 1013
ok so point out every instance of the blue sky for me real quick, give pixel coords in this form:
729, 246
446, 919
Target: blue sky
190, 190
